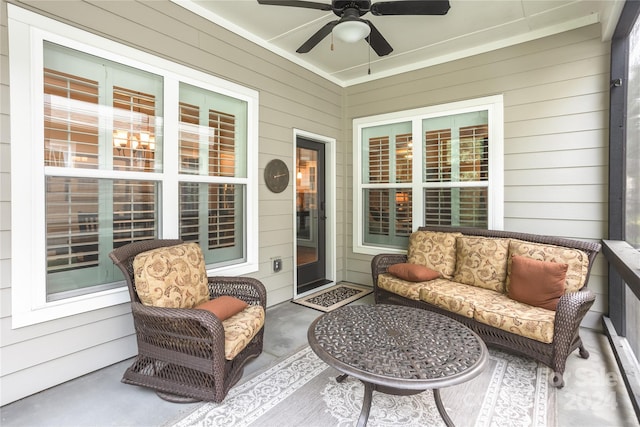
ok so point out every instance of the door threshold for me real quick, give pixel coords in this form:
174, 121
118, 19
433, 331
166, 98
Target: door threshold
312, 285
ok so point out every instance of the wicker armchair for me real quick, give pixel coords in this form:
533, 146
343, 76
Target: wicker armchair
181, 351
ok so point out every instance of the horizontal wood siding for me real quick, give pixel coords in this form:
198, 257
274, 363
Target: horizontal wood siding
556, 96
40, 356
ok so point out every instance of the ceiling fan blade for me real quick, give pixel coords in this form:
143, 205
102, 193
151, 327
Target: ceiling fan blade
428, 7
317, 37
377, 42
305, 4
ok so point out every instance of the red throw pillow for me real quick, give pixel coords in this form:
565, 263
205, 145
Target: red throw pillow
224, 306
538, 283
413, 272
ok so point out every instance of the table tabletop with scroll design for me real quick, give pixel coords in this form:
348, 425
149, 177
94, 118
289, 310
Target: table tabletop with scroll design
397, 350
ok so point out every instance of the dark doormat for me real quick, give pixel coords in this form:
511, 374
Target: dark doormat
336, 296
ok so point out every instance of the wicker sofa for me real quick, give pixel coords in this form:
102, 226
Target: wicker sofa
478, 279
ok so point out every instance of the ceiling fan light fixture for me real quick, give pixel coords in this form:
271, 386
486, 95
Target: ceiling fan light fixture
351, 31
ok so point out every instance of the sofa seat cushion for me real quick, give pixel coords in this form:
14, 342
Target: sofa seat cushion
404, 288
512, 316
240, 329
482, 262
577, 261
435, 250
454, 297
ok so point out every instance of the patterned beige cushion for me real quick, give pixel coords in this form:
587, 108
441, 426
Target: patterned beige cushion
512, 316
435, 250
482, 262
455, 297
239, 329
401, 287
173, 276
577, 261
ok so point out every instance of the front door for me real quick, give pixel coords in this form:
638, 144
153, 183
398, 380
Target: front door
310, 215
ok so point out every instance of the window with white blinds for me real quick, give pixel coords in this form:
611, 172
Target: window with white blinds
456, 179
106, 118
211, 211
101, 117
387, 183
112, 145
456, 153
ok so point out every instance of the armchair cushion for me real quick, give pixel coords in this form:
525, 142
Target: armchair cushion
224, 306
171, 276
240, 329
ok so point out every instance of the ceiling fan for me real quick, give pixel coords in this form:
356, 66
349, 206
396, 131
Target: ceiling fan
351, 27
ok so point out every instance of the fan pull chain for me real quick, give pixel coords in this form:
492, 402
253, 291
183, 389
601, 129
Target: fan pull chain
331, 41
369, 51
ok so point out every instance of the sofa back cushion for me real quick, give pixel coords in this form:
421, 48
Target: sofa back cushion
481, 262
171, 276
435, 250
577, 261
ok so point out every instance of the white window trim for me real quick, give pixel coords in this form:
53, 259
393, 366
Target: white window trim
495, 107
27, 31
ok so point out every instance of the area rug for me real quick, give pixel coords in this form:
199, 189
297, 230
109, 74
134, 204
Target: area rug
302, 391
336, 296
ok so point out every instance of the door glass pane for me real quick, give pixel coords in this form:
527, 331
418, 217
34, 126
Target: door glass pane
307, 205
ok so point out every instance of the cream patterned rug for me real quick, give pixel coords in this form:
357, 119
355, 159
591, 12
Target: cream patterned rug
334, 297
302, 391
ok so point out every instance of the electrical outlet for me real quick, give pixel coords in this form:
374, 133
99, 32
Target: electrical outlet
277, 265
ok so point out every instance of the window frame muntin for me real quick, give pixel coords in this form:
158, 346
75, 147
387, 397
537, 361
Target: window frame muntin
27, 33
494, 104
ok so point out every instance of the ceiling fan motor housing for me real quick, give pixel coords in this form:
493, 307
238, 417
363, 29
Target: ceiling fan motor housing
360, 7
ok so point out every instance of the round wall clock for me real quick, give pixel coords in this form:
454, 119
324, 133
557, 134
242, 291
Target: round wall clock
276, 175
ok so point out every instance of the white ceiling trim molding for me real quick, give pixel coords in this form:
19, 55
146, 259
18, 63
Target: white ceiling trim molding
224, 23
607, 23
476, 50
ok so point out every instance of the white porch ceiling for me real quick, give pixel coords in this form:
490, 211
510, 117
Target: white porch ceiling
471, 27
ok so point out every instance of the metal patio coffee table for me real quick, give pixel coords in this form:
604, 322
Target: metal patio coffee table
397, 350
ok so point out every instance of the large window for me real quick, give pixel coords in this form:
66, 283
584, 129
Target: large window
433, 166
116, 146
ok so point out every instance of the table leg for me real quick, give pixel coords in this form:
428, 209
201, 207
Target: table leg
366, 405
441, 410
